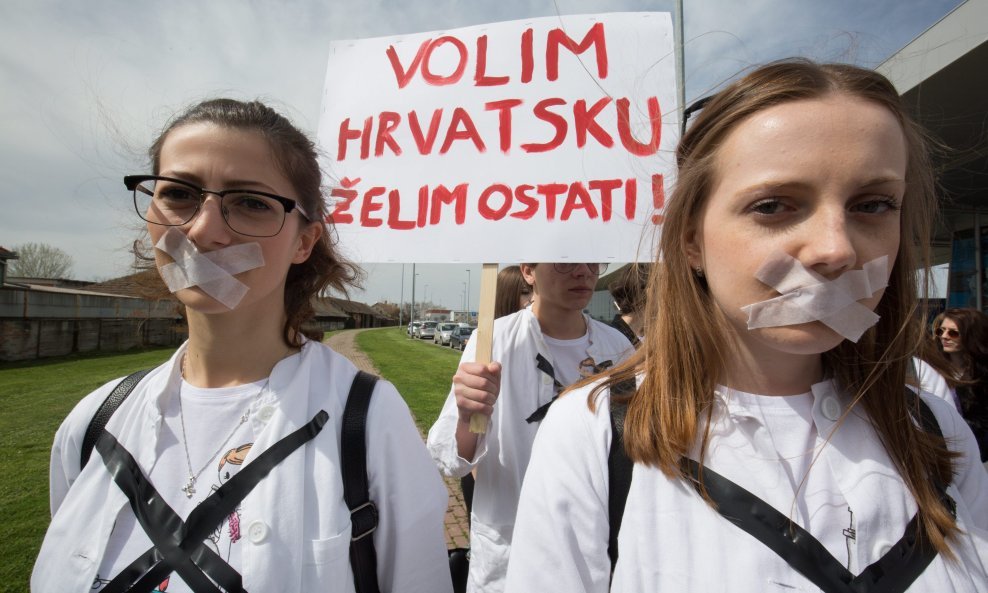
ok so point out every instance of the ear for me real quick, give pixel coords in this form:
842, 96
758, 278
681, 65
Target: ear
693, 246
528, 273
308, 236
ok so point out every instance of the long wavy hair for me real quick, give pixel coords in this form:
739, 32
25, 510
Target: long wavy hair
688, 339
296, 157
973, 327
510, 286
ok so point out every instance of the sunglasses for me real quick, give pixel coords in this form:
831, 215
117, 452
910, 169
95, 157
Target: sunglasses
953, 334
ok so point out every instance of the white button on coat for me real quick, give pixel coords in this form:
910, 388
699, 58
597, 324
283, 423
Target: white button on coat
257, 531
831, 408
265, 413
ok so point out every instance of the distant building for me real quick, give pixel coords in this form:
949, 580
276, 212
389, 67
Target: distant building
56, 317
437, 315
5, 254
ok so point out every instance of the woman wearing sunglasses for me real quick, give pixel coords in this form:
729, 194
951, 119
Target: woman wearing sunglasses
537, 351
962, 336
222, 469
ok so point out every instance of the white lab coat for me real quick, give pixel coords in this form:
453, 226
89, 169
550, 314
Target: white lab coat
671, 540
503, 452
933, 382
297, 527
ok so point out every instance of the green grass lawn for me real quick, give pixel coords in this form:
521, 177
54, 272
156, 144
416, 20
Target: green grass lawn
420, 370
36, 396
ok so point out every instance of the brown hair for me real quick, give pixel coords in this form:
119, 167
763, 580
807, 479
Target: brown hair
973, 327
628, 289
297, 159
510, 286
686, 346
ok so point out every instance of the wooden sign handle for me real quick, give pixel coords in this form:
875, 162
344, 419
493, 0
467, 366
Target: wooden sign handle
485, 331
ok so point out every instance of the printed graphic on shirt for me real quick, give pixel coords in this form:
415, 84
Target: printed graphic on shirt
228, 533
850, 534
589, 367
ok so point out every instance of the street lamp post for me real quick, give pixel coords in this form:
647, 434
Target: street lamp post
401, 303
411, 314
469, 317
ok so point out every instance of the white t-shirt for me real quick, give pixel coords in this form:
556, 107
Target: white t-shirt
218, 442
572, 361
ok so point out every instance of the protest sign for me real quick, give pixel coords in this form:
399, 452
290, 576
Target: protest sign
547, 139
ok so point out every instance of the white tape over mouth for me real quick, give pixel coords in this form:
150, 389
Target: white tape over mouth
806, 296
211, 271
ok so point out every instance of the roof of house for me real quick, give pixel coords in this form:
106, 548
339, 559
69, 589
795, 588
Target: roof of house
326, 308
352, 306
129, 285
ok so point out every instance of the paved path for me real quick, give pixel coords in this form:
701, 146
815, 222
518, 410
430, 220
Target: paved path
457, 525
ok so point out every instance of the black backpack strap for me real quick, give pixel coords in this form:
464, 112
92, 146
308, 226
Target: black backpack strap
105, 411
619, 468
910, 555
356, 494
894, 572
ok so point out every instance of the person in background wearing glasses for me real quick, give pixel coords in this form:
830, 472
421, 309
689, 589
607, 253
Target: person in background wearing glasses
221, 470
962, 336
537, 352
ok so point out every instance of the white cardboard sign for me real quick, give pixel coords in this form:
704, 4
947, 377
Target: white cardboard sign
547, 139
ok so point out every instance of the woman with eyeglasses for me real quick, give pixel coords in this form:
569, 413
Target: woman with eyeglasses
962, 336
222, 468
767, 437
537, 351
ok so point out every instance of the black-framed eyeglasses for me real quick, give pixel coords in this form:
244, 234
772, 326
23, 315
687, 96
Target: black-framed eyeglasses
565, 268
953, 334
174, 202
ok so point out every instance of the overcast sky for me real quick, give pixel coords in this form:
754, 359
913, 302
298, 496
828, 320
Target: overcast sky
87, 85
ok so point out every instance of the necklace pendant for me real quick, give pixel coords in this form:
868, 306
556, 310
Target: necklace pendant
189, 489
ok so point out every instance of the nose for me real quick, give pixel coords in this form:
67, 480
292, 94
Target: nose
208, 226
829, 247
582, 270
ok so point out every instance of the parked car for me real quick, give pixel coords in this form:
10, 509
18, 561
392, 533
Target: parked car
442, 333
413, 329
458, 339
428, 329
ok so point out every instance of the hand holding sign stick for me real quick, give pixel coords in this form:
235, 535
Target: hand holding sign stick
485, 331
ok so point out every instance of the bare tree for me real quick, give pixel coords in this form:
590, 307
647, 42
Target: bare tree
40, 260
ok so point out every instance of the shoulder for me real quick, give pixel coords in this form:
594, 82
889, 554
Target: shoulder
571, 413
334, 368
606, 329
949, 420
71, 433
514, 331
609, 338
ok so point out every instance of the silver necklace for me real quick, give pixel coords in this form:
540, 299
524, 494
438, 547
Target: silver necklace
190, 487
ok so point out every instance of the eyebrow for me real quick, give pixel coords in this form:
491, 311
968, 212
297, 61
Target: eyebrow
799, 185
234, 184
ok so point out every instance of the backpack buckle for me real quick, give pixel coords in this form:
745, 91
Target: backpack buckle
363, 521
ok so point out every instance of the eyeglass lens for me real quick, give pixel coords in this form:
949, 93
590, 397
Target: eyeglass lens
566, 268
173, 204
951, 333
